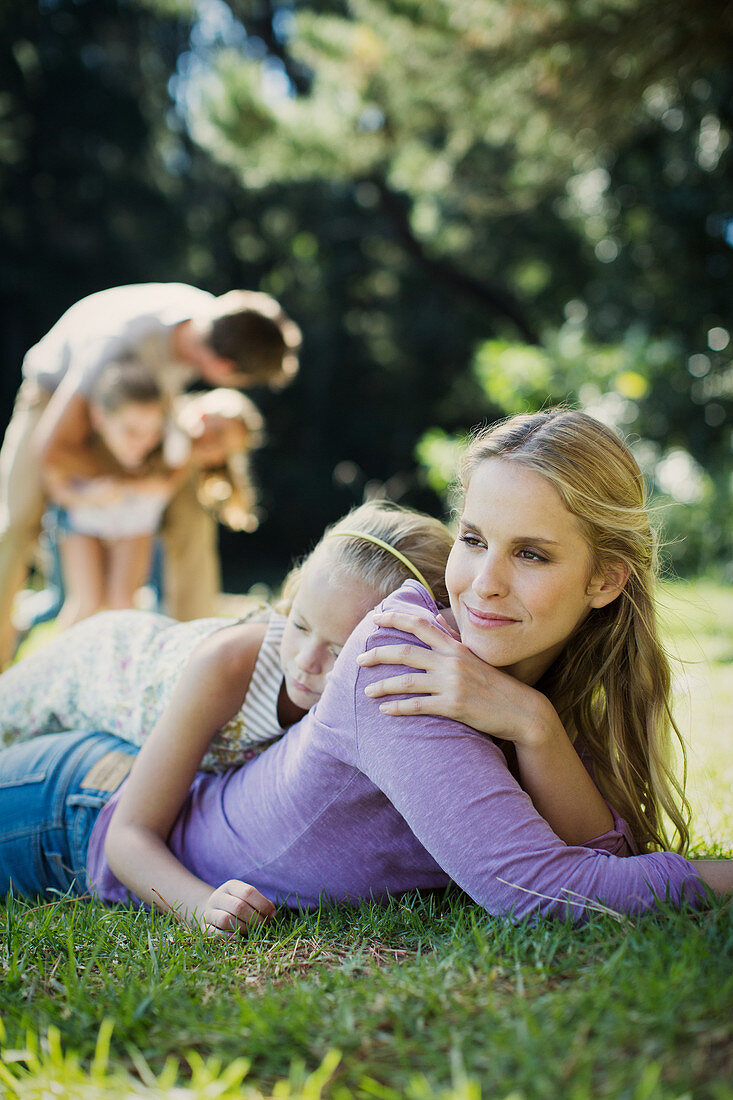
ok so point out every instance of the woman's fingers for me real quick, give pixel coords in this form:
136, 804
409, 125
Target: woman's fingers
399, 685
421, 628
411, 655
416, 704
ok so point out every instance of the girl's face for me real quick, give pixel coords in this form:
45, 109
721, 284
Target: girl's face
519, 572
327, 607
132, 432
216, 437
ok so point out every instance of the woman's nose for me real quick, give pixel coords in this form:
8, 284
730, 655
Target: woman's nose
491, 580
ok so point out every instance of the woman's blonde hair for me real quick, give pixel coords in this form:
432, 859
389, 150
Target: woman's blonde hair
611, 684
423, 540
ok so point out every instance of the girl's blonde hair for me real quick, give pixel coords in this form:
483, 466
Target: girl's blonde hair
423, 540
611, 684
122, 383
228, 491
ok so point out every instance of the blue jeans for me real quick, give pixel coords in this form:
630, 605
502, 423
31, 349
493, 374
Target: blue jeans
48, 808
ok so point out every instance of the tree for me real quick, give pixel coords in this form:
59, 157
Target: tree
538, 162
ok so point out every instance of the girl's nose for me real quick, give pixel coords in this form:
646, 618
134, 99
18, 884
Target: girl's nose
311, 658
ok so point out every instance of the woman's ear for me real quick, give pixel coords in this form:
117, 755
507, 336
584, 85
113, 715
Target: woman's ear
605, 587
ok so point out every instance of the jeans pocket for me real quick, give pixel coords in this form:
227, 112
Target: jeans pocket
82, 811
55, 871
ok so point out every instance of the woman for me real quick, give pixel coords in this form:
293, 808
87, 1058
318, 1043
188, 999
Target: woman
356, 802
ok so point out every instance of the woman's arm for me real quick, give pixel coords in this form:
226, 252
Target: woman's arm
454, 790
210, 691
454, 683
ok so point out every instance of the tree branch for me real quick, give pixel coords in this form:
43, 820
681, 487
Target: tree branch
496, 302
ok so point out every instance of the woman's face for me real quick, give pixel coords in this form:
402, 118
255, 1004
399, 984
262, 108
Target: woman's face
519, 572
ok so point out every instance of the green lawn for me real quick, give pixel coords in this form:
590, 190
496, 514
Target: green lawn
699, 622
426, 998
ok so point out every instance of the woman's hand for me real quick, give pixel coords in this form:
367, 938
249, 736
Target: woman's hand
453, 682
233, 906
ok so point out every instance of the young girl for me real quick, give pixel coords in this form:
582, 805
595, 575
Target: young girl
355, 803
117, 671
111, 496
220, 428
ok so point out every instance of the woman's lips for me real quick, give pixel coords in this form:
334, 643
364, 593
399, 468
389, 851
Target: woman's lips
488, 620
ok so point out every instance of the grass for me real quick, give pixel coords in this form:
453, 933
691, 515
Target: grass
428, 997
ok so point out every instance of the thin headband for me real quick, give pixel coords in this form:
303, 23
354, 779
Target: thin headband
385, 546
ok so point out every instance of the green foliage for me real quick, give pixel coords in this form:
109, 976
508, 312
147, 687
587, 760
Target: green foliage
625, 385
539, 160
570, 368
413, 180
439, 453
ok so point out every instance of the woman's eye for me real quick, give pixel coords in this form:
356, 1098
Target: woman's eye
532, 555
470, 540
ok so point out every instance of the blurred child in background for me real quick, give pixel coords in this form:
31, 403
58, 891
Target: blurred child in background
110, 493
208, 438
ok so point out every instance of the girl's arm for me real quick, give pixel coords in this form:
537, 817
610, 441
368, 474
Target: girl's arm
68, 469
72, 490
165, 481
454, 683
209, 693
64, 426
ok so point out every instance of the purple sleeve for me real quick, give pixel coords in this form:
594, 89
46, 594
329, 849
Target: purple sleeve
453, 788
618, 841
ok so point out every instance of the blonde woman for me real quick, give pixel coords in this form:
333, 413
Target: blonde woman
609, 680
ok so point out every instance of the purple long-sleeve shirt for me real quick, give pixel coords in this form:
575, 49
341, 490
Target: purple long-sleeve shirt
354, 804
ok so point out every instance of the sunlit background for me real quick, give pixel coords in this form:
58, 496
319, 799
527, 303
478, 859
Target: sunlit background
470, 208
